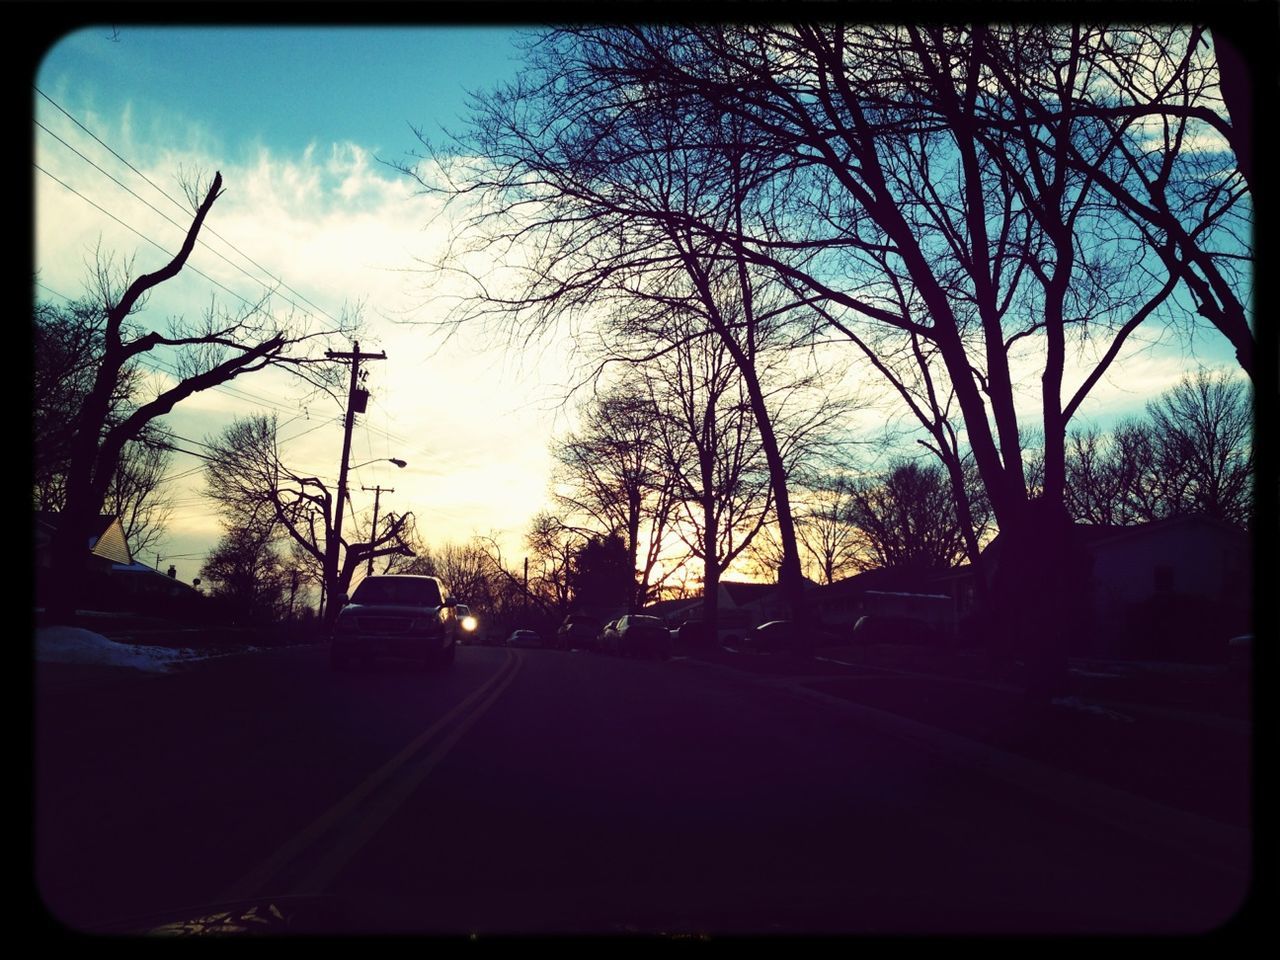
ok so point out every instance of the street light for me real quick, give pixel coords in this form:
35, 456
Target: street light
377, 496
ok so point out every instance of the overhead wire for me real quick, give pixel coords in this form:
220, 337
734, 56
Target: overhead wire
164, 366
158, 365
171, 199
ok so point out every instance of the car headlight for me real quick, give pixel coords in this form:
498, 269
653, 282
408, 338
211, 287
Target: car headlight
469, 624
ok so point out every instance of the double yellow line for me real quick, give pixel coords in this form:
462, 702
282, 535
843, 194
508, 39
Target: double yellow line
349, 824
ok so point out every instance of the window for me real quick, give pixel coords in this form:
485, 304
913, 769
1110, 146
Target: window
409, 591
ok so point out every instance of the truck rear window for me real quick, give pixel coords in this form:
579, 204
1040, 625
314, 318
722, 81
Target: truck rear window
393, 590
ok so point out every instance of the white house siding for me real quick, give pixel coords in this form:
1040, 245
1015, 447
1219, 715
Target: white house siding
1184, 558
1198, 558
111, 544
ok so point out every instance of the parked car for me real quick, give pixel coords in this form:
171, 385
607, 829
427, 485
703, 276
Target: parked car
691, 633
401, 616
778, 636
607, 639
732, 626
877, 628
642, 636
524, 638
578, 630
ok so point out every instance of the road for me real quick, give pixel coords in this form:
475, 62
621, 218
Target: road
544, 792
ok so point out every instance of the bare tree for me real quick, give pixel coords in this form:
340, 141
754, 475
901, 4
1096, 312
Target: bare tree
825, 527
552, 546
712, 453
209, 352
604, 192
1203, 429
902, 182
907, 518
252, 485
1176, 107
466, 569
611, 476
1192, 456
68, 348
136, 493
943, 194
248, 574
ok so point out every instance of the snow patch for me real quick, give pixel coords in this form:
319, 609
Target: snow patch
76, 645
1075, 703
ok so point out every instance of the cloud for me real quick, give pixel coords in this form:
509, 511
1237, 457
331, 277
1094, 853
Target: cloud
334, 228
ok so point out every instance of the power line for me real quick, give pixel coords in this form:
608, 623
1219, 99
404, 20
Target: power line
195, 270
165, 194
162, 366
235, 266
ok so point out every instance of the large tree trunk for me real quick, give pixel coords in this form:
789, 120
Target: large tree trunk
93, 461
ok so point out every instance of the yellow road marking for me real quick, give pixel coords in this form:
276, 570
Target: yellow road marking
252, 884
375, 815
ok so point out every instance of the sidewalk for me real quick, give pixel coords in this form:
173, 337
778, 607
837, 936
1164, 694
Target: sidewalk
1180, 737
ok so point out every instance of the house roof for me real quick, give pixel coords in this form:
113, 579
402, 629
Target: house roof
664, 608
1093, 534
107, 539
48, 519
145, 572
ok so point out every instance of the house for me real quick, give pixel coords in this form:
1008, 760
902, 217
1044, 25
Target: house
107, 544
115, 581
675, 612
738, 605
1172, 589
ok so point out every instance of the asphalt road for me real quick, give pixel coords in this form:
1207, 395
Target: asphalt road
542, 792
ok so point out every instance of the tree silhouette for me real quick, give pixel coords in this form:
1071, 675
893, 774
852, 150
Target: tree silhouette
68, 348
209, 352
253, 486
907, 518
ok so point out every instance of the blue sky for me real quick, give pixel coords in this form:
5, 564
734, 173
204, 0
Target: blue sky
285, 87
297, 119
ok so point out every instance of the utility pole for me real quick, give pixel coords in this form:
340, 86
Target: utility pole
356, 400
377, 493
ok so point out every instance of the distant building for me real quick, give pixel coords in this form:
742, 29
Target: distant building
1171, 589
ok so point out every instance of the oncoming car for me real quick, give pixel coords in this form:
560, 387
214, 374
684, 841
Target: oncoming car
468, 625
401, 616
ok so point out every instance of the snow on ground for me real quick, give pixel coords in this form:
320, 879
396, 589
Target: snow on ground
76, 645
1084, 706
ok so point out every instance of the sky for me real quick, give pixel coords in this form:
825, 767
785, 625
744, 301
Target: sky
297, 121
300, 122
